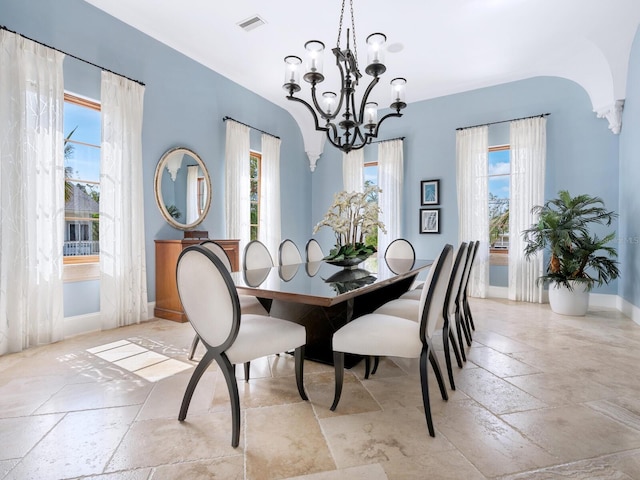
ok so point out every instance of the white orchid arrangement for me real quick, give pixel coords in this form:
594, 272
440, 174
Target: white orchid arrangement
352, 216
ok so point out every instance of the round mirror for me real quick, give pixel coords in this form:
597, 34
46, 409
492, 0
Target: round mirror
183, 188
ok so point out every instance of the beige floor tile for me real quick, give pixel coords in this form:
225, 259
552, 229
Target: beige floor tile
159, 371
287, 428
87, 396
226, 468
24, 394
141, 360
364, 472
19, 435
557, 389
118, 353
490, 444
496, 394
80, 444
574, 432
381, 436
150, 443
355, 398
498, 363
624, 410
7, 465
139, 474
449, 465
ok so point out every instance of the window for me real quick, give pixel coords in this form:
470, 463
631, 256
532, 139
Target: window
499, 193
371, 178
82, 137
254, 199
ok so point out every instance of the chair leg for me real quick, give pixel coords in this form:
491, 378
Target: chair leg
338, 362
247, 367
234, 398
465, 326
447, 354
191, 386
424, 381
459, 334
298, 356
376, 362
194, 345
438, 373
367, 366
454, 344
468, 313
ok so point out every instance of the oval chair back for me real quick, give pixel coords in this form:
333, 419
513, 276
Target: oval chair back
314, 251
400, 256
256, 255
219, 252
205, 286
288, 253
434, 292
456, 278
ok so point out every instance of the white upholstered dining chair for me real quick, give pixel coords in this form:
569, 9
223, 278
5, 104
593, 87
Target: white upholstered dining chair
377, 334
210, 300
248, 303
288, 253
313, 251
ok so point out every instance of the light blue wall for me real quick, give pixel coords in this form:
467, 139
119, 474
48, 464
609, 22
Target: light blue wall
581, 151
629, 234
184, 104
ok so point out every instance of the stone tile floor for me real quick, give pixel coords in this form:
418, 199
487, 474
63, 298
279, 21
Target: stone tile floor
541, 396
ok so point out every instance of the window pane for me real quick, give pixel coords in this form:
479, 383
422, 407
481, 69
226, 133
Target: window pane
499, 162
85, 121
82, 162
253, 197
254, 214
254, 233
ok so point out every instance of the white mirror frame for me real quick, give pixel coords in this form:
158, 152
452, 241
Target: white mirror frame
163, 168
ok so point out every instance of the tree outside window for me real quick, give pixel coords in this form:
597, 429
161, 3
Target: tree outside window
255, 160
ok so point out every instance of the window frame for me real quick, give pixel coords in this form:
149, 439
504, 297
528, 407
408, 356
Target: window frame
81, 267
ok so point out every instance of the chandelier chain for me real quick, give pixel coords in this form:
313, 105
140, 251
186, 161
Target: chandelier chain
340, 25
353, 27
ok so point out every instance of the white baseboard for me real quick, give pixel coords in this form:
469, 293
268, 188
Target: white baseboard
90, 322
595, 299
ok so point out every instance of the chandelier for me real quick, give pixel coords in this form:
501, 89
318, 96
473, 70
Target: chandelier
347, 127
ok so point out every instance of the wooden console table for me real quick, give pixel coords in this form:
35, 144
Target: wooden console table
168, 305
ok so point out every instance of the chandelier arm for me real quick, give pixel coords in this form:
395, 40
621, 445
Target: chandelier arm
365, 97
388, 115
323, 114
337, 145
313, 113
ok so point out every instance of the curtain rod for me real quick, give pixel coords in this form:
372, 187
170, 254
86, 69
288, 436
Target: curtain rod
504, 121
224, 119
2, 27
388, 140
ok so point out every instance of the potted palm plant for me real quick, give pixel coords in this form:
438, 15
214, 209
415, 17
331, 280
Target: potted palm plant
579, 259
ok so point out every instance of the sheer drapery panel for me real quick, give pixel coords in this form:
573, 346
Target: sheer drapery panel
472, 146
270, 221
390, 181
123, 275
31, 193
528, 157
237, 182
353, 171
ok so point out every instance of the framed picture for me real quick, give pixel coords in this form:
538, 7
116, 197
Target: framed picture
429, 220
430, 192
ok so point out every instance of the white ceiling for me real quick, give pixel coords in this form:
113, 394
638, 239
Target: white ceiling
448, 46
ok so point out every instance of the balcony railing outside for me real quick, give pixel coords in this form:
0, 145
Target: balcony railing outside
81, 247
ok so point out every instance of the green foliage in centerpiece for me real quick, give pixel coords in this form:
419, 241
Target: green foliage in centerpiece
352, 217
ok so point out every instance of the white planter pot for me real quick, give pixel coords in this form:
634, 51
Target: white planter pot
569, 302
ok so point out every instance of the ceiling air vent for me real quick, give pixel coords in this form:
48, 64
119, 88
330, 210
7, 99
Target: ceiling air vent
251, 23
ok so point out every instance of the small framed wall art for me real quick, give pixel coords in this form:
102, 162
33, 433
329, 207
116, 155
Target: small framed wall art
429, 220
430, 192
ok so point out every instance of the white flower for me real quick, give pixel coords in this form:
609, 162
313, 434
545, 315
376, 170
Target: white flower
352, 216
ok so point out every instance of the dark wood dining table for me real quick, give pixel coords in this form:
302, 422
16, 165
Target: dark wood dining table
324, 297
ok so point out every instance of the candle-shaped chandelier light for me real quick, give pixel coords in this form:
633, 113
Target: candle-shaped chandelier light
346, 127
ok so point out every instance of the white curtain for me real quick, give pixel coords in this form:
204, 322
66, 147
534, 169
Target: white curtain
528, 157
123, 272
472, 146
270, 231
31, 193
192, 193
353, 171
390, 181
237, 182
